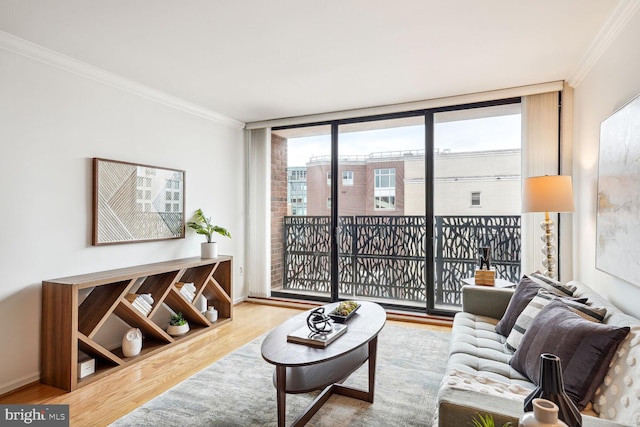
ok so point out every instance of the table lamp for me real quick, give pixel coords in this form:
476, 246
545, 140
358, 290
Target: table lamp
550, 193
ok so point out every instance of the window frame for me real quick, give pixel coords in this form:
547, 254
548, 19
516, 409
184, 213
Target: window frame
384, 192
347, 181
474, 198
429, 177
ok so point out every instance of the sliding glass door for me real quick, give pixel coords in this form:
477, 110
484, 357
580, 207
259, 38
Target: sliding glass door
476, 196
382, 225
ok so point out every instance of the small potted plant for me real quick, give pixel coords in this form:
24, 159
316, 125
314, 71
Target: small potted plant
177, 325
486, 421
203, 226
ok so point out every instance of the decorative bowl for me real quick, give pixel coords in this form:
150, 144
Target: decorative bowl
342, 318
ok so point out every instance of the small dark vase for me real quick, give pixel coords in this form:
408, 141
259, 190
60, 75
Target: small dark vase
551, 387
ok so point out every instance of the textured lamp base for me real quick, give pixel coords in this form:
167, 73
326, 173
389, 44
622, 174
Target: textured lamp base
548, 249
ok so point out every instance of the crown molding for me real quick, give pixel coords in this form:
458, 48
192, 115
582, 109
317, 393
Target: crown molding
63, 62
615, 23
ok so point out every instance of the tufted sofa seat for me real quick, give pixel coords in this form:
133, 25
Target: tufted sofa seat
477, 349
479, 378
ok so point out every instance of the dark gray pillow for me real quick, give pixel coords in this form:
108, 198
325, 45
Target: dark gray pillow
522, 296
595, 314
585, 349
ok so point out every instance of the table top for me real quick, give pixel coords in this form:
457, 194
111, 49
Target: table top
365, 325
499, 283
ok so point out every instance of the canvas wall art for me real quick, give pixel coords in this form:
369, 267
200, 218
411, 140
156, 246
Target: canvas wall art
618, 213
133, 203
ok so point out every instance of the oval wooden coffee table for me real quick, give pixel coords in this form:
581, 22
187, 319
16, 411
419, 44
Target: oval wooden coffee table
301, 368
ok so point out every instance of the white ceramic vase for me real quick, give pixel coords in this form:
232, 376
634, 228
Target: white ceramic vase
132, 342
209, 250
201, 303
545, 414
174, 330
211, 314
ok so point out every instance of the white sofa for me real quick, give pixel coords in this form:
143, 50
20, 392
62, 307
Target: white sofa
479, 378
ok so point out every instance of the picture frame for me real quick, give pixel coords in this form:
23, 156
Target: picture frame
136, 203
618, 206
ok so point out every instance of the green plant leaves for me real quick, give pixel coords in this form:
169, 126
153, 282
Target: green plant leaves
486, 421
202, 225
177, 320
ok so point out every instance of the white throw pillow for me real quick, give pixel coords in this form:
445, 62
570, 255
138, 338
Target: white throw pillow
618, 398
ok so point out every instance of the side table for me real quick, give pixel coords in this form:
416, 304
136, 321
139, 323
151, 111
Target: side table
500, 283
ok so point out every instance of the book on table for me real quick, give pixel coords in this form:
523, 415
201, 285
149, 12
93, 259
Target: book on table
305, 336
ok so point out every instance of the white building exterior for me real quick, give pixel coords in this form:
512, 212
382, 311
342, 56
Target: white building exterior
479, 183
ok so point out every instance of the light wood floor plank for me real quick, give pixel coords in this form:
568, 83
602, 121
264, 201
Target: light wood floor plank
104, 401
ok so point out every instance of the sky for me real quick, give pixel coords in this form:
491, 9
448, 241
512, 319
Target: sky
499, 132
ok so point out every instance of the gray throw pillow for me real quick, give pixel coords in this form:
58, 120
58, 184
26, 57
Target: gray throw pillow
524, 293
595, 314
585, 349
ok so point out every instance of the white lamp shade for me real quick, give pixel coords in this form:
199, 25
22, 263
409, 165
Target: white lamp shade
551, 193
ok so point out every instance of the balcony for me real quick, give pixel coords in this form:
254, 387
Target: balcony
383, 258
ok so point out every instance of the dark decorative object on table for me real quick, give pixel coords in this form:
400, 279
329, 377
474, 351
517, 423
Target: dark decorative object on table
319, 322
551, 387
484, 254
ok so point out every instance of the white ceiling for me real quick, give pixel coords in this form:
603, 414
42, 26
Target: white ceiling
255, 60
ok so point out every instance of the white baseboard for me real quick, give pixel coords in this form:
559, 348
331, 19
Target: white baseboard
20, 382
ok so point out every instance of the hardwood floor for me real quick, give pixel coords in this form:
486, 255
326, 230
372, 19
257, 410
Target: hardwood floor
104, 401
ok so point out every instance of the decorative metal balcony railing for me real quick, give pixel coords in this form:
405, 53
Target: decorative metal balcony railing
385, 256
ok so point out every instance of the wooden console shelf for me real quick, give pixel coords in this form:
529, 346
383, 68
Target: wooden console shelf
70, 324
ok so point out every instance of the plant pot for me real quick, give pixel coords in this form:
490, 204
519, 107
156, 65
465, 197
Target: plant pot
178, 330
209, 250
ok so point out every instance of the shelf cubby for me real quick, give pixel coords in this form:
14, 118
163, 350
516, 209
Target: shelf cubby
97, 306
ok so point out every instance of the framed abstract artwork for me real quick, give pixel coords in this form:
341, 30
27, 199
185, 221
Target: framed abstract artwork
136, 203
618, 211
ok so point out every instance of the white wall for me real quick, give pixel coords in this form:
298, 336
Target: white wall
610, 83
52, 123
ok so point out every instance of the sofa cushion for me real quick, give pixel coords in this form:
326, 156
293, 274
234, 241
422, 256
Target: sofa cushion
524, 293
477, 349
595, 314
585, 349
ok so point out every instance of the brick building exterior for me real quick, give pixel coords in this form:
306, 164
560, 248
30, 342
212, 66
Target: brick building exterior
356, 185
279, 206
466, 183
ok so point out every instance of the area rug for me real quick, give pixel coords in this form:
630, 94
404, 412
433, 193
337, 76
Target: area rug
238, 389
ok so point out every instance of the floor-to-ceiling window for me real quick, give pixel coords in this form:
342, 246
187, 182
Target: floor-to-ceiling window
393, 209
476, 195
381, 214
301, 211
